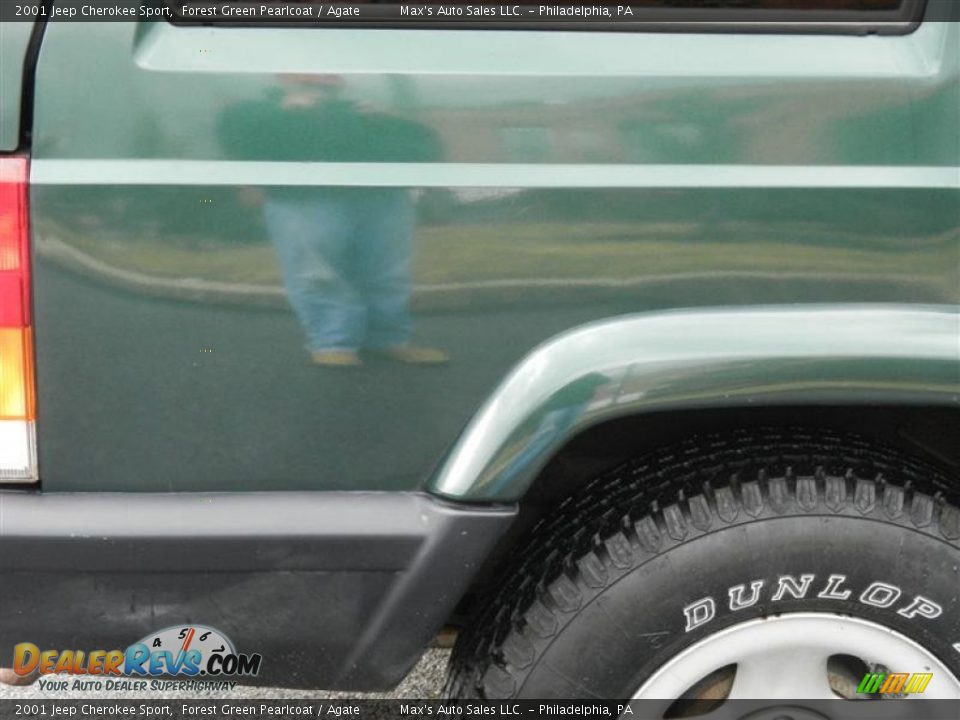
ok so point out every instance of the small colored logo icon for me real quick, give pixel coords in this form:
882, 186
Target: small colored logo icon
894, 683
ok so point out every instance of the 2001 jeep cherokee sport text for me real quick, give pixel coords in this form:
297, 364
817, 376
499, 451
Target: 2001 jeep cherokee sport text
630, 355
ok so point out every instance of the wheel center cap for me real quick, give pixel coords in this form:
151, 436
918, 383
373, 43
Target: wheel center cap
784, 712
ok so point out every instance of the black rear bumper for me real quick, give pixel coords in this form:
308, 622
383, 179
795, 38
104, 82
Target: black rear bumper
334, 590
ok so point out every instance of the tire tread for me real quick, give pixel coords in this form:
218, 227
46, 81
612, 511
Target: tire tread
642, 508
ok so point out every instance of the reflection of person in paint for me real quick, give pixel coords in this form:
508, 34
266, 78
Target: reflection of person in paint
345, 252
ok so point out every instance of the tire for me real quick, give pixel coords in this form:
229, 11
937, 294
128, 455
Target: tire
650, 559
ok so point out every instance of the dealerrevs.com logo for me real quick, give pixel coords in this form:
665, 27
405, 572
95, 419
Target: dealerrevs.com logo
187, 651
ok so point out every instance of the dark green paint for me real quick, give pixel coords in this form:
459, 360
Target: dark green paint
14, 38
576, 177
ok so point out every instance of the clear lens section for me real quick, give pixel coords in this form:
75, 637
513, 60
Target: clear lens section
18, 460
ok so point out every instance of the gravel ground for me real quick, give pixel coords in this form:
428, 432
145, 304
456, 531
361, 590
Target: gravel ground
424, 682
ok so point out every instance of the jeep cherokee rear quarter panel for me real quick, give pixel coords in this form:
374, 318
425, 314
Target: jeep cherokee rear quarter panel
579, 176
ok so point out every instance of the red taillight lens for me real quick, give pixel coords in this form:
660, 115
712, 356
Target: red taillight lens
17, 408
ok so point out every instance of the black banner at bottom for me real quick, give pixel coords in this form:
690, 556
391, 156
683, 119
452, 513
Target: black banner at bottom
916, 709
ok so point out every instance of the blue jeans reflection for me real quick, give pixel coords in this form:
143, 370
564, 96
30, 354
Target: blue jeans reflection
346, 260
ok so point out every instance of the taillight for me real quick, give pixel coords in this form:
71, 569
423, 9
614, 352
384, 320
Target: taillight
18, 451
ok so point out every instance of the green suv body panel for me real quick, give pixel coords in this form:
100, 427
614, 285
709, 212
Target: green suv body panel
557, 179
14, 39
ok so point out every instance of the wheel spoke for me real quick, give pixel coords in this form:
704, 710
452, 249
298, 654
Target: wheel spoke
786, 658
800, 673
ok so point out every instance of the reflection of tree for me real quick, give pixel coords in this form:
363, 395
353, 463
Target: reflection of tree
895, 123
868, 218
182, 215
685, 127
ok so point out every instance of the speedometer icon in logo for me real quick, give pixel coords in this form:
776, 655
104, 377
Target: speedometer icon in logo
189, 650
183, 638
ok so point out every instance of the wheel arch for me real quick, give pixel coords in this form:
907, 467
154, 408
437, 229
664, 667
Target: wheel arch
712, 365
